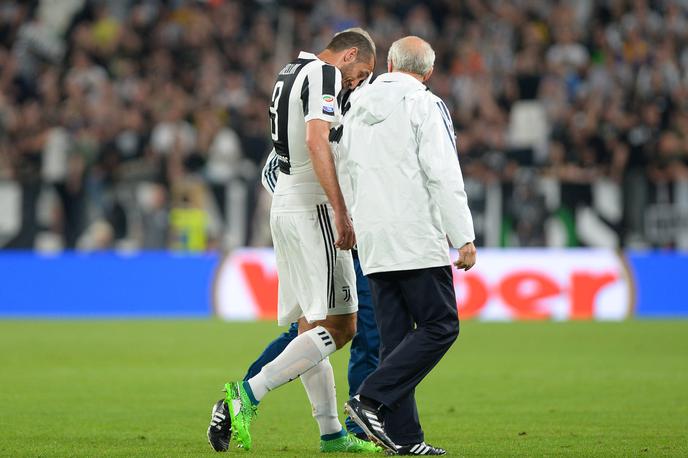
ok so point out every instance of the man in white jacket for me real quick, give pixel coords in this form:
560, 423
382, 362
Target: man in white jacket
398, 150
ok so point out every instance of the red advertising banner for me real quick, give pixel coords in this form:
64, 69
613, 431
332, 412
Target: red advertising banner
545, 285
523, 284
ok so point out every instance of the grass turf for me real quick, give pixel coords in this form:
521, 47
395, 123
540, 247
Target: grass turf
145, 388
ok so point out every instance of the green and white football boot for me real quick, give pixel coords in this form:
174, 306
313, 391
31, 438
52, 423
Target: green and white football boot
242, 411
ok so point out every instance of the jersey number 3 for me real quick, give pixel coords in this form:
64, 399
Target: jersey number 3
276, 94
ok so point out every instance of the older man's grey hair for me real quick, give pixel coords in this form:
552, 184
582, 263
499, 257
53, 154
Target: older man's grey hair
411, 54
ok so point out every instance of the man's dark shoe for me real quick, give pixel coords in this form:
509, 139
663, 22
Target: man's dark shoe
371, 422
420, 449
220, 429
362, 436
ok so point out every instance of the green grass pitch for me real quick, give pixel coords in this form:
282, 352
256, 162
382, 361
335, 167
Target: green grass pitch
145, 388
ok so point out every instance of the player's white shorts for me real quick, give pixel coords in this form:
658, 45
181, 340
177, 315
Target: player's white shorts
315, 278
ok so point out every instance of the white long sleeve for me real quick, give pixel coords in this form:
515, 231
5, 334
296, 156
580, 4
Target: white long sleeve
439, 160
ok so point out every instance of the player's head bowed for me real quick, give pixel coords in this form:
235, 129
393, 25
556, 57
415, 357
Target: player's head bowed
355, 55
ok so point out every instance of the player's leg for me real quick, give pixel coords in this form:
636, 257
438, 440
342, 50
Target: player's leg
309, 290
315, 342
273, 350
302, 354
341, 324
365, 346
241, 401
324, 286
320, 388
305, 264
219, 430
324, 291
319, 380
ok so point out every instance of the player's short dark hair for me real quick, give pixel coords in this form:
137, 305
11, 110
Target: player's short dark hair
347, 39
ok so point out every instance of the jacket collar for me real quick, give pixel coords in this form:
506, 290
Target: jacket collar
401, 77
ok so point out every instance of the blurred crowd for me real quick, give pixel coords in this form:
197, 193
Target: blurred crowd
144, 123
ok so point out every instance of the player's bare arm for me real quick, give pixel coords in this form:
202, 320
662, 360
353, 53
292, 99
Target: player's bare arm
317, 141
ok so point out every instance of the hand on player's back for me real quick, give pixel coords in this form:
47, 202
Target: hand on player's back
345, 231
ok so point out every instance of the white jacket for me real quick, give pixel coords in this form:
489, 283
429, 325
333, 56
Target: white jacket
398, 151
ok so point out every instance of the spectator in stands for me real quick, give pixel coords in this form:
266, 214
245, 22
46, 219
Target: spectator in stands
100, 97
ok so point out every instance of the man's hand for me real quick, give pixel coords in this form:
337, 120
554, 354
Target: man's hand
466, 257
345, 231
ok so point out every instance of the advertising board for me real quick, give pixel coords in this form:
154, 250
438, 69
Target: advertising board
505, 285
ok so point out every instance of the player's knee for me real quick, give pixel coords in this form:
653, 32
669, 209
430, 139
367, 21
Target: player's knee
343, 333
344, 336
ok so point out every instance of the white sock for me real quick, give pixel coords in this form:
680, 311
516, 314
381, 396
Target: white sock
302, 353
319, 385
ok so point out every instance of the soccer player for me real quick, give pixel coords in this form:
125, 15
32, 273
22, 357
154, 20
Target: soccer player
314, 263
365, 345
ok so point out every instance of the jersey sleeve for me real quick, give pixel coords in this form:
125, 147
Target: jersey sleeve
319, 93
270, 172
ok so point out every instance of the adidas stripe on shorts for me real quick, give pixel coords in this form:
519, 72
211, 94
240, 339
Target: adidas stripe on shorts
315, 278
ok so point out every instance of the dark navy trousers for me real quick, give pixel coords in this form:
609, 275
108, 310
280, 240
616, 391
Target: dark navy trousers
364, 346
418, 322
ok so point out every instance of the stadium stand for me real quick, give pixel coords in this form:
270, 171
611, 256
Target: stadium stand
143, 124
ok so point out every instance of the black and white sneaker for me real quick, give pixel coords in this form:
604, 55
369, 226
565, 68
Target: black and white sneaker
371, 422
220, 429
420, 449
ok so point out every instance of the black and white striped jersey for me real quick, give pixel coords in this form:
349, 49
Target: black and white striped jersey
272, 164
271, 168
306, 88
